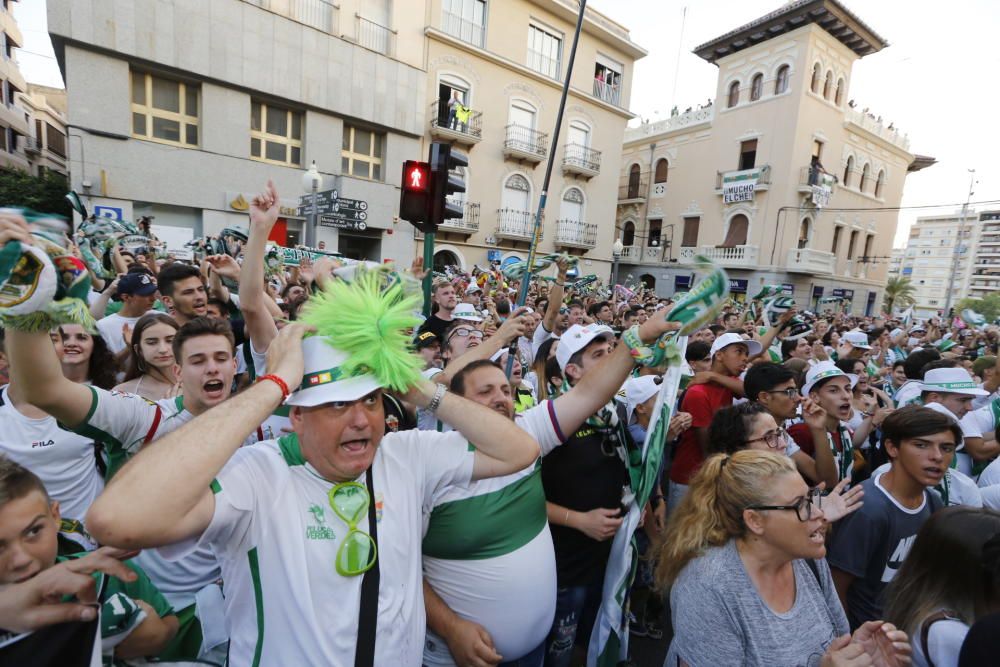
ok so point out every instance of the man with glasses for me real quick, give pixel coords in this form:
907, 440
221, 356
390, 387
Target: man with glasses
318, 533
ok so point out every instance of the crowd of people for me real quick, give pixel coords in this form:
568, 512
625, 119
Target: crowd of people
829, 494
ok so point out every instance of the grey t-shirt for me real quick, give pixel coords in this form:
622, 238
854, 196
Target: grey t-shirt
720, 618
871, 544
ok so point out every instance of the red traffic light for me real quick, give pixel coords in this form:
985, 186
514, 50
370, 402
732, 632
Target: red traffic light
416, 176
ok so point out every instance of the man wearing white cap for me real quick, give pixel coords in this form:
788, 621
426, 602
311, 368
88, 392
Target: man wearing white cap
729, 355
473, 295
319, 532
951, 392
827, 389
856, 344
466, 313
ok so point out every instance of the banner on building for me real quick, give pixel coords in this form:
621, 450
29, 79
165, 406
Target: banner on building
738, 285
738, 186
822, 189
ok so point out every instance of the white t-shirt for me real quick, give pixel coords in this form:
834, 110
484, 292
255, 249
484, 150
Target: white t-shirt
961, 489
539, 337
277, 539
64, 461
970, 429
488, 552
944, 643
908, 393
110, 328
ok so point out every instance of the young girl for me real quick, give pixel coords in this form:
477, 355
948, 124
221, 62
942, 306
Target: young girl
84, 358
150, 369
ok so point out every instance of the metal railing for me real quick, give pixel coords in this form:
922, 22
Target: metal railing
375, 37
812, 261
31, 145
319, 14
526, 140
442, 117
632, 253
463, 29
576, 232
763, 175
582, 156
512, 222
634, 188
607, 92
469, 220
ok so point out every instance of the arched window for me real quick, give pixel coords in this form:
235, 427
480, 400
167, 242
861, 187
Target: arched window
737, 234
734, 94
814, 84
804, 233
839, 98
660, 175
866, 175
516, 193
634, 178
572, 205
781, 81
848, 170
628, 234
879, 182
756, 87
828, 85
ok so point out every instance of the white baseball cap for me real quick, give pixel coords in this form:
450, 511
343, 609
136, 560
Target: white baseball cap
858, 339
466, 311
578, 337
324, 381
639, 390
951, 381
472, 288
825, 370
725, 340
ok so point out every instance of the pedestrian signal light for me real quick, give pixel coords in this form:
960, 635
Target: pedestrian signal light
414, 198
416, 176
448, 181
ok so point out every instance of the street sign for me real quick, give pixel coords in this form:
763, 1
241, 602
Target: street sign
340, 222
323, 196
348, 209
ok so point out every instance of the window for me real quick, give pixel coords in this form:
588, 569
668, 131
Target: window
465, 19
55, 140
828, 85
879, 183
836, 239
634, 178
817, 151
839, 97
756, 87
781, 81
748, 154
361, 153
578, 134
655, 230
628, 234
848, 170
516, 193
866, 175
737, 233
850, 244
690, 238
275, 134
608, 79
734, 94
814, 83
660, 175
164, 110
869, 240
572, 205
544, 51
804, 233
3, 139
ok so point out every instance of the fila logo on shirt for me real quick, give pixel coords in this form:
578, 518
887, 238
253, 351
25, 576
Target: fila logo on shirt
897, 558
42, 443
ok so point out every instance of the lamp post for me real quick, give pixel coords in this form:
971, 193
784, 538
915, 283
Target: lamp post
311, 181
959, 247
616, 253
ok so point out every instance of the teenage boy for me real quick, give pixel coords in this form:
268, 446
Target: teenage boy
951, 391
828, 388
729, 355
443, 295
868, 547
136, 620
913, 367
138, 294
182, 290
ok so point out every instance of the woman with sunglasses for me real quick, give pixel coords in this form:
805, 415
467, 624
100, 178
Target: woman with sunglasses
749, 586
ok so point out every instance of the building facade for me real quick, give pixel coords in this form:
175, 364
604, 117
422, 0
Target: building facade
985, 276
934, 244
46, 148
778, 179
183, 115
14, 128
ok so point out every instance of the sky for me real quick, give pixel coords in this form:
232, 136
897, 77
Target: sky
935, 80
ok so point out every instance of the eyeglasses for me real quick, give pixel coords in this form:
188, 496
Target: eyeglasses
357, 553
803, 508
774, 439
790, 392
465, 333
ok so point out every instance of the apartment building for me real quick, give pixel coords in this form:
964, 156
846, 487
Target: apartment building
758, 180
186, 108
929, 260
45, 148
985, 276
14, 121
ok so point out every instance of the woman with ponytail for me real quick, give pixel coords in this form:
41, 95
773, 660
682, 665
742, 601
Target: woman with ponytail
744, 557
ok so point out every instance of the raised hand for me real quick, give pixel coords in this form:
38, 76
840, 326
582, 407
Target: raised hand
813, 414
264, 208
225, 266
13, 227
839, 503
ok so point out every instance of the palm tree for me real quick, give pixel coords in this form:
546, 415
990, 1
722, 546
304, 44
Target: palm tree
898, 293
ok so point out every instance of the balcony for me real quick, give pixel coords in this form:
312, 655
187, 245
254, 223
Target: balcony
319, 14
375, 37
468, 224
581, 160
874, 125
515, 225
524, 143
734, 185
576, 234
465, 30
633, 190
608, 92
631, 253
739, 256
461, 129
31, 146
804, 260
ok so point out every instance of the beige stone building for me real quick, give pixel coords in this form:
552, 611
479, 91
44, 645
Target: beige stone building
46, 147
14, 131
778, 179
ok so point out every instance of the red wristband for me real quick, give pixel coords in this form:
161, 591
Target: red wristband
282, 385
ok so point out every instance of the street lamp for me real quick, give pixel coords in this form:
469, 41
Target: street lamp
616, 253
311, 180
958, 246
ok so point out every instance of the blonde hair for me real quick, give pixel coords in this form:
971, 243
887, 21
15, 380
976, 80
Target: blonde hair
711, 512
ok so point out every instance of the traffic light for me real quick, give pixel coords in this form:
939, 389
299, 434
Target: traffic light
443, 160
414, 199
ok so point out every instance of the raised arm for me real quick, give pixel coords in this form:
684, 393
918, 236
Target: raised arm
555, 296
259, 320
163, 495
510, 330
